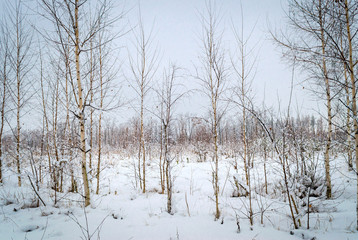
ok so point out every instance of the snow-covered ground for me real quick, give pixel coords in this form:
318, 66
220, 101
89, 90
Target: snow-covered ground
121, 211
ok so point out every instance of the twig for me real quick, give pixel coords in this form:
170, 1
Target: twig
227, 176
33, 187
187, 205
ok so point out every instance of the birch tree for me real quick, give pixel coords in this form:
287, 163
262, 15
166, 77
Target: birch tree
21, 63
107, 97
212, 76
4, 80
169, 95
70, 22
244, 63
143, 64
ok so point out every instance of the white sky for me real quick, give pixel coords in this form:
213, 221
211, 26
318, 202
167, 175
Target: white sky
177, 27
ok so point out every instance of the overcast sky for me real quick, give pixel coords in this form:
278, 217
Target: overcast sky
177, 28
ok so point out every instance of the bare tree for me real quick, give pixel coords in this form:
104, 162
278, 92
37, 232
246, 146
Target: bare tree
107, 95
100, 114
143, 66
4, 75
169, 96
244, 63
20, 59
91, 80
212, 78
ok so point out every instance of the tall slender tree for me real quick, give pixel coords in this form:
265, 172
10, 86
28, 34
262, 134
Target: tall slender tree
244, 63
21, 63
169, 95
4, 75
144, 65
212, 77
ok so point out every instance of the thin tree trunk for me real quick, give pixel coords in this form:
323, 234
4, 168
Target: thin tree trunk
142, 140
100, 117
246, 164
329, 108
3, 111
167, 169
139, 160
216, 159
265, 160
18, 106
161, 173
99, 150
45, 122
283, 162
348, 122
354, 103
54, 135
81, 110
91, 110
